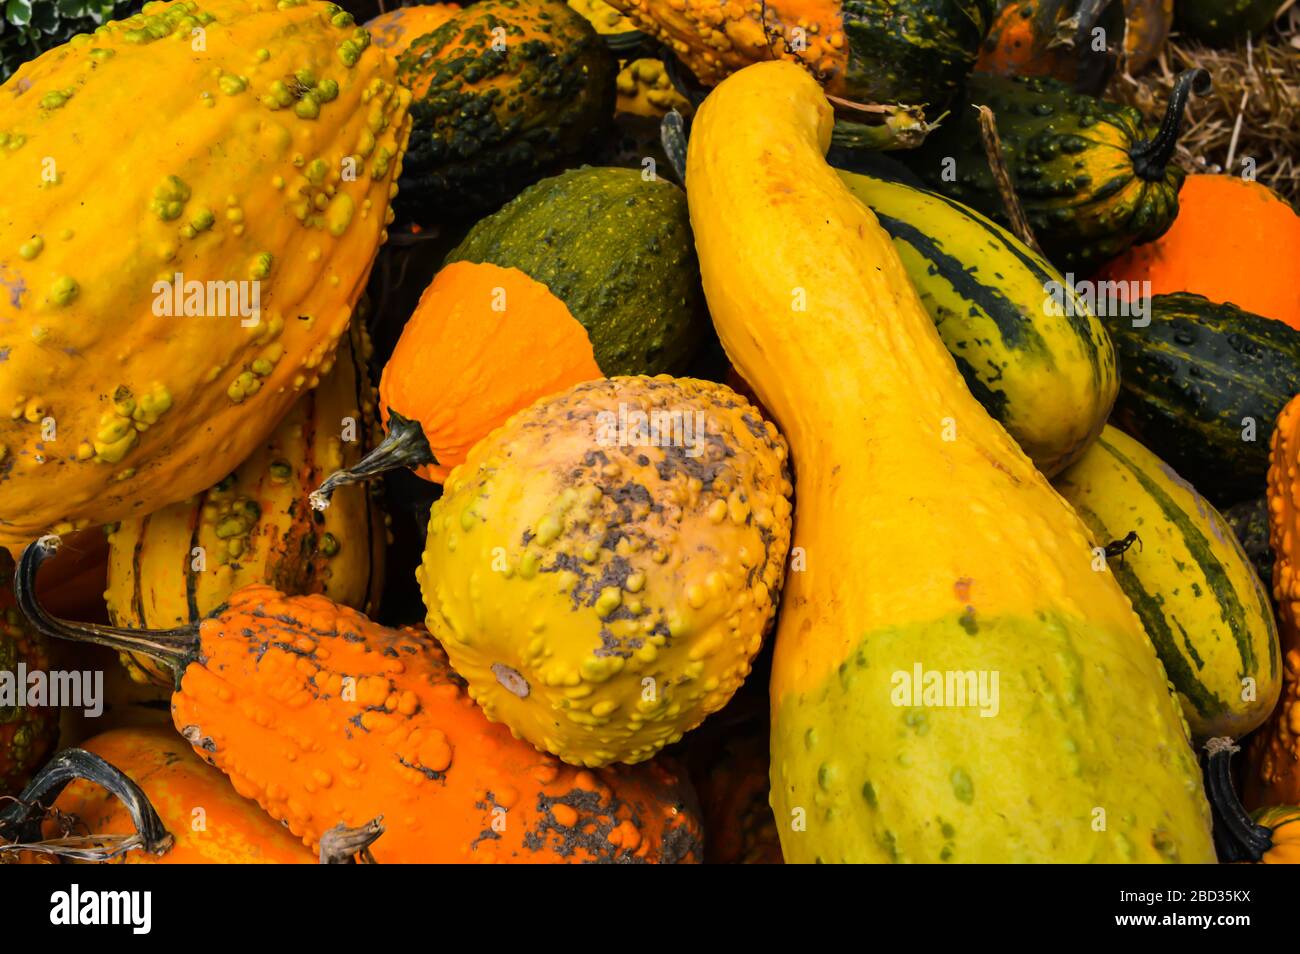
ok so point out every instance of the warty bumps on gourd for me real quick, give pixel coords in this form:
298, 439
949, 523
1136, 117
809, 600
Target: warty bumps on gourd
251, 146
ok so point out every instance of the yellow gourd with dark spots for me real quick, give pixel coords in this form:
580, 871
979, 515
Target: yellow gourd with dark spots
255, 526
602, 568
194, 197
931, 543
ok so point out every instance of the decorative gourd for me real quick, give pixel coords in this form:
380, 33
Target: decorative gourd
1226, 244
1187, 577
993, 577
489, 121
1092, 178
397, 29
111, 406
1273, 769
593, 270
1048, 376
1225, 22
27, 732
180, 563
1271, 837
1055, 38
1201, 385
176, 782
870, 51
602, 569
1249, 522
644, 88
339, 720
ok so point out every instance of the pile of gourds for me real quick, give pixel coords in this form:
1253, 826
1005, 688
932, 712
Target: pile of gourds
779, 508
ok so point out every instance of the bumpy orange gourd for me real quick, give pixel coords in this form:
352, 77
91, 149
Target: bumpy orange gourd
1233, 241
324, 717
208, 820
1273, 766
393, 31
254, 157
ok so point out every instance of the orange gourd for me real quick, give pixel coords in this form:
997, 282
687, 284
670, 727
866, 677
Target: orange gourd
511, 342
1273, 768
1227, 243
228, 829
325, 718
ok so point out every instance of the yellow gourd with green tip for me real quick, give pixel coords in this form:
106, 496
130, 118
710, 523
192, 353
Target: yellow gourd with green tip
602, 568
931, 542
194, 197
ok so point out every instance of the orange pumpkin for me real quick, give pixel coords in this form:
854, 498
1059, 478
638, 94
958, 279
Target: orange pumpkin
325, 718
1233, 241
209, 822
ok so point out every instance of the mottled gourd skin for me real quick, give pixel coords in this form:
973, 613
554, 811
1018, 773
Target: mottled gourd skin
27, 733
176, 781
1048, 376
1224, 22
1273, 768
1069, 158
954, 553
255, 525
1189, 580
1283, 821
871, 51
601, 596
1201, 385
644, 88
618, 251
231, 164
488, 121
267, 703
397, 29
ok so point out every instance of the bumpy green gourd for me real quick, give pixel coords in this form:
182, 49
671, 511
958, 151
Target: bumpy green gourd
616, 248
1092, 177
505, 92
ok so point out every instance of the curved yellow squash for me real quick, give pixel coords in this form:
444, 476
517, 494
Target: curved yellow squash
181, 562
932, 550
193, 199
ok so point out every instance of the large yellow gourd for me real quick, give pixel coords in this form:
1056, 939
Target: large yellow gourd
251, 146
929, 541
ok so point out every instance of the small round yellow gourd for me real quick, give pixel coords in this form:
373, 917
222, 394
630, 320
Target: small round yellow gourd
602, 568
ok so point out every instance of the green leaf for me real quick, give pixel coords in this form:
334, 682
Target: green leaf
18, 12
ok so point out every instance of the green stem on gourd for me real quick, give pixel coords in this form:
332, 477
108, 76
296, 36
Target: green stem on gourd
403, 446
1152, 156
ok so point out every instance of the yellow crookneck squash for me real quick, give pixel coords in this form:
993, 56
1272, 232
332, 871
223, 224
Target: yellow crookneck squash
255, 526
194, 197
932, 550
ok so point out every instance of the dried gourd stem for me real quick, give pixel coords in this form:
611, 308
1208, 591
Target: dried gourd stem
175, 648
1242, 839
403, 446
672, 136
21, 821
1002, 178
892, 126
344, 846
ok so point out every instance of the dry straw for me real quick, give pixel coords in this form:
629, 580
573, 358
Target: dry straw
1253, 112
